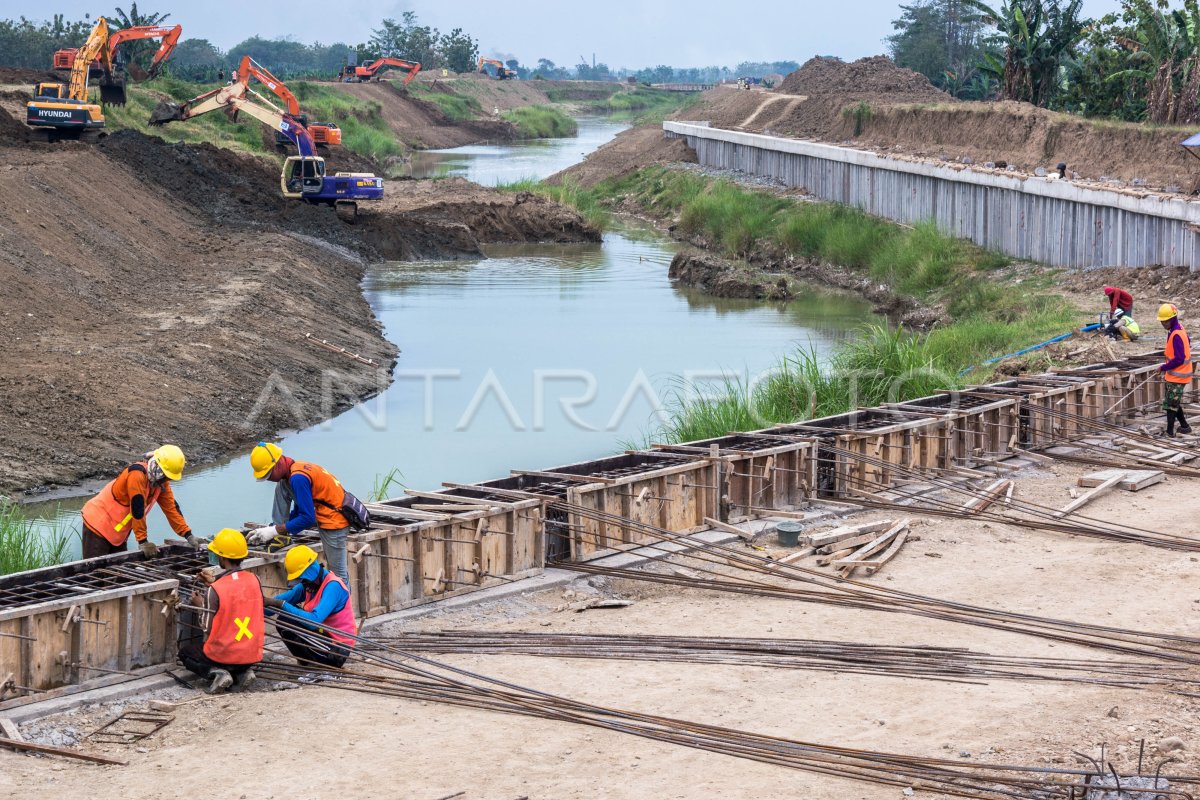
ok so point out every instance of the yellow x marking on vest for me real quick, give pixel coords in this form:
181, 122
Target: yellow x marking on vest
243, 628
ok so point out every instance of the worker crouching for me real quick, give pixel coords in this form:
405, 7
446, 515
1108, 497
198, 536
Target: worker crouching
223, 641
122, 505
1177, 370
1123, 326
316, 617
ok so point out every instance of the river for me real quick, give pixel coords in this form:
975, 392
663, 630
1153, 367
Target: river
536, 356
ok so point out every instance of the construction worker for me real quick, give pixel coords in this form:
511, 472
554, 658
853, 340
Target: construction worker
306, 496
1177, 369
1118, 298
1123, 326
225, 641
122, 505
319, 603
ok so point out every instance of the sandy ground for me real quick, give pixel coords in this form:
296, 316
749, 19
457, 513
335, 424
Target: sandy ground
363, 746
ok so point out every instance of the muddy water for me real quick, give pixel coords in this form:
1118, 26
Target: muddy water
533, 357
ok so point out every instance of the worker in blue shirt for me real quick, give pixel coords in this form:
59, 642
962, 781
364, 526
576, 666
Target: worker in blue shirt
306, 496
319, 603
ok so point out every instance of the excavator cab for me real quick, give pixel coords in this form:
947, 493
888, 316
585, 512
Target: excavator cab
49, 89
302, 175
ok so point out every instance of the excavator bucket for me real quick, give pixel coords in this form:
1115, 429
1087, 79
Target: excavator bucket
165, 112
112, 91
136, 72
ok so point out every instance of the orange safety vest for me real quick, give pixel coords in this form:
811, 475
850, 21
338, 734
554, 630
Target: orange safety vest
1182, 373
328, 495
111, 518
340, 620
236, 634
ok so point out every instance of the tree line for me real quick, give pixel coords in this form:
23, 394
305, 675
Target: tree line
1140, 63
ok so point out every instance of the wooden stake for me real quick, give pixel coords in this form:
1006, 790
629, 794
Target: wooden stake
725, 526
1090, 496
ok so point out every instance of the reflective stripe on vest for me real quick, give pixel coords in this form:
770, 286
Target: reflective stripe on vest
236, 634
1182, 373
111, 518
328, 495
340, 620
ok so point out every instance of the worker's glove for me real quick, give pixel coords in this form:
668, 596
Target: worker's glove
149, 549
195, 541
261, 535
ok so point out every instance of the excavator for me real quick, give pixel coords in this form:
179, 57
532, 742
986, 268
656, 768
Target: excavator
67, 112
303, 177
350, 74
65, 59
503, 73
323, 133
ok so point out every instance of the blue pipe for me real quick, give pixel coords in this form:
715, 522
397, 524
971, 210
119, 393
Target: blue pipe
1068, 335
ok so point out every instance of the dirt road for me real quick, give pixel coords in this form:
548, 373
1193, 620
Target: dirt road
158, 292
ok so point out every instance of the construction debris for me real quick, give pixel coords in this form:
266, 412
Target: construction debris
1132, 480
130, 727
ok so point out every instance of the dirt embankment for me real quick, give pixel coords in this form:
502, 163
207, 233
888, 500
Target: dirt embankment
421, 125
162, 292
631, 150
905, 116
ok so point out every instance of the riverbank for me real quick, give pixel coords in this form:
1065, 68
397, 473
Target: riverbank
163, 292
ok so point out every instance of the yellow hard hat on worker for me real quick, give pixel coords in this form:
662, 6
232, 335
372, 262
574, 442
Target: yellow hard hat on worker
1167, 311
170, 460
263, 458
230, 544
298, 559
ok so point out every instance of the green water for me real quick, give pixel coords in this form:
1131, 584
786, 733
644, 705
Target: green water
536, 356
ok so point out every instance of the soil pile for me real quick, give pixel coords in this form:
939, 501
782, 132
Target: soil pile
876, 76
630, 150
723, 278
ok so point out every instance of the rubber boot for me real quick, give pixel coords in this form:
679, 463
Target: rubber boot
244, 681
1184, 428
221, 680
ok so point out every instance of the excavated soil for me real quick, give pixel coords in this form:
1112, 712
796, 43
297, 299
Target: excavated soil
421, 124
161, 292
873, 76
631, 150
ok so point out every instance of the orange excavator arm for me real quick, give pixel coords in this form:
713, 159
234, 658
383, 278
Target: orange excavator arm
249, 67
170, 38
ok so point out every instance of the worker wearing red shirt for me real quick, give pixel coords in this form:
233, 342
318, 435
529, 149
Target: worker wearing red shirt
1177, 370
1118, 298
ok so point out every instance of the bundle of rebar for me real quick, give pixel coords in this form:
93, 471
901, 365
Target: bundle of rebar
907, 661
403, 674
761, 576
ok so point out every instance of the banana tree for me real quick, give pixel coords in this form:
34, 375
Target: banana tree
1036, 38
1165, 48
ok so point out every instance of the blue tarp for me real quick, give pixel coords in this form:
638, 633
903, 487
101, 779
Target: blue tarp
1192, 141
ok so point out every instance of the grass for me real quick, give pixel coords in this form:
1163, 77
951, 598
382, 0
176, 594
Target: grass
588, 203
541, 122
27, 543
989, 318
457, 107
364, 130
640, 104
381, 489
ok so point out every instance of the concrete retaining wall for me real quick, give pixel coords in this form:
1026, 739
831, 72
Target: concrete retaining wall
1052, 221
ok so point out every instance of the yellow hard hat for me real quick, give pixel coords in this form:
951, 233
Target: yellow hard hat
230, 544
1166, 311
298, 559
263, 457
170, 460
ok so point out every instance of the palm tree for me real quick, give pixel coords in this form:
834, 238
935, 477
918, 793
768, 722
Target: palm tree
1165, 46
1037, 38
135, 18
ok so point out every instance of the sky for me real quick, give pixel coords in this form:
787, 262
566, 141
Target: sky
621, 33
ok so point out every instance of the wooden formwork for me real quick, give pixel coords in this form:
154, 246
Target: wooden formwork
671, 491
1034, 393
1136, 384
401, 562
876, 442
757, 472
982, 428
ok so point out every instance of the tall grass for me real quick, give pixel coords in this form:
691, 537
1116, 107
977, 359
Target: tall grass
570, 193
364, 130
457, 107
541, 122
384, 484
27, 543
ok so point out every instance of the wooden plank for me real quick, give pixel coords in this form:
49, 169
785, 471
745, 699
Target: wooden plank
9, 729
1090, 496
857, 557
888, 554
459, 499
725, 526
989, 495
852, 542
1134, 480
565, 476
791, 558
401, 511
845, 532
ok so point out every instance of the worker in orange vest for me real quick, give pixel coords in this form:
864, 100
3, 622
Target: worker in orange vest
223, 642
306, 496
316, 617
122, 505
1177, 370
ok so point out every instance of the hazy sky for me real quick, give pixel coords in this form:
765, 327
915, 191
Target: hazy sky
622, 33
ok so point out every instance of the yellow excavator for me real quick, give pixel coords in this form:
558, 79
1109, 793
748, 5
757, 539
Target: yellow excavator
67, 112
